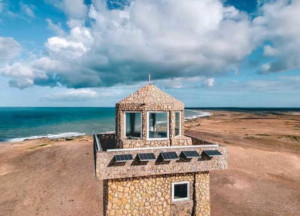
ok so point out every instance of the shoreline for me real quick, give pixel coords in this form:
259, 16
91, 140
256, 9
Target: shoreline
70, 134
205, 114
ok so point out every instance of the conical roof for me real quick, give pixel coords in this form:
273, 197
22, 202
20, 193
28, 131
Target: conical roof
151, 98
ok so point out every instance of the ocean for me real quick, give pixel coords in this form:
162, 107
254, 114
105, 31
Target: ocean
20, 123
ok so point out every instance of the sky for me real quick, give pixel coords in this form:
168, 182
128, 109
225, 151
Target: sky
206, 53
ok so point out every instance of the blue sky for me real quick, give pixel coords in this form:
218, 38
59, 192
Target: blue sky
207, 53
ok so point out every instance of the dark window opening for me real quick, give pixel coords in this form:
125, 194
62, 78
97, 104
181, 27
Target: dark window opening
177, 123
133, 125
180, 191
158, 125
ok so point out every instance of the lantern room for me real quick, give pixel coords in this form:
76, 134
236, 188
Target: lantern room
150, 117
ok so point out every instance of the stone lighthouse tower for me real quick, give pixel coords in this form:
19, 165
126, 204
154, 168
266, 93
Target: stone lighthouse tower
148, 166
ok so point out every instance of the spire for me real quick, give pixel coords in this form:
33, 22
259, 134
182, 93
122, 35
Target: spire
149, 78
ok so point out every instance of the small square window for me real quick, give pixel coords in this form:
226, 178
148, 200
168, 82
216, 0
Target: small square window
180, 191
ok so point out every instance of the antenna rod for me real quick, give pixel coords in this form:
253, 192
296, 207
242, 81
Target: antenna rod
149, 78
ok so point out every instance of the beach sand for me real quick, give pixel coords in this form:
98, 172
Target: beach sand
56, 177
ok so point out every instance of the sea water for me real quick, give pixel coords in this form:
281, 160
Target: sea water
20, 123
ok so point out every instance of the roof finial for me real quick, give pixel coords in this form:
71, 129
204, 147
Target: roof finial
149, 78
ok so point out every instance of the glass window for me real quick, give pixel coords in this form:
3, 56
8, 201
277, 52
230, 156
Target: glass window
180, 191
158, 125
177, 123
133, 124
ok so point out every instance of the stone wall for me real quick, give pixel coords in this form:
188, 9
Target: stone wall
151, 196
147, 196
202, 197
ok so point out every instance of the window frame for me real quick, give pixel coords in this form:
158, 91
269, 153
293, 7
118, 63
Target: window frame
168, 122
141, 136
173, 191
179, 124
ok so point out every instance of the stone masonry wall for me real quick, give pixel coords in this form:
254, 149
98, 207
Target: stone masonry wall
151, 196
202, 197
147, 196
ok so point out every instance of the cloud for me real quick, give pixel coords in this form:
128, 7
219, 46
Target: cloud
184, 39
210, 82
171, 39
73, 8
9, 48
270, 51
279, 26
186, 82
278, 84
73, 95
56, 28
27, 9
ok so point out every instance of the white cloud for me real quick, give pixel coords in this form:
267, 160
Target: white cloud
73, 8
27, 9
171, 39
183, 39
73, 94
279, 24
56, 28
210, 82
9, 48
185, 82
270, 51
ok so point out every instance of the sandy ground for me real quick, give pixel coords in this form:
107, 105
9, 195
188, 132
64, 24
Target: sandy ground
56, 177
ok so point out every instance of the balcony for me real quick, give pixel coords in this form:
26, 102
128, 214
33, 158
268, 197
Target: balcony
112, 162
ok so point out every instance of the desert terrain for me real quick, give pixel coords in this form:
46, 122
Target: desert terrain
56, 177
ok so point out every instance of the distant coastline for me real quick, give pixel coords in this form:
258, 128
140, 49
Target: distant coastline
23, 123
26, 123
248, 109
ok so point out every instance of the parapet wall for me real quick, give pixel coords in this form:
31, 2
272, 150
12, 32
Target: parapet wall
105, 169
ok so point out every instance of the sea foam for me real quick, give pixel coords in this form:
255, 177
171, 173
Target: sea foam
198, 114
50, 136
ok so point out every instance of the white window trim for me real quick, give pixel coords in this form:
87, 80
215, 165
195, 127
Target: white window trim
179, 124
167, 125
125, 123
188, 191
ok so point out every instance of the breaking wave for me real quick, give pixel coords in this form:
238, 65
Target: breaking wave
192, 114
50, 136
